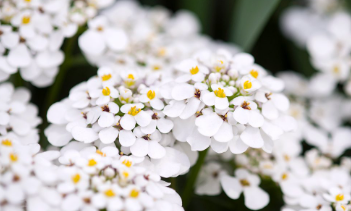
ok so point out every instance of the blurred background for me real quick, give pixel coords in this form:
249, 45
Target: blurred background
252, 25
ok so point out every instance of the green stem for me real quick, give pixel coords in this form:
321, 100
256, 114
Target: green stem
195, 170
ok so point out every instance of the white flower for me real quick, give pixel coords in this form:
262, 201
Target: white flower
218, 97
147, 144
192, 71
246, 112
151, 95
255, 197
208, 182
104, 95
101, 36
134, 115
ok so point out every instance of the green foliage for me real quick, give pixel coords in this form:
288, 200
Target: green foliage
249, 19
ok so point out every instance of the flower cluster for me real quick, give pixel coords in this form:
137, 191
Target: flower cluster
85, 179
323, 29
310, 180
32, 33
215, 100
18, 117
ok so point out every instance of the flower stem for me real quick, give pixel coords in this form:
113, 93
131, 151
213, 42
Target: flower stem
195, 170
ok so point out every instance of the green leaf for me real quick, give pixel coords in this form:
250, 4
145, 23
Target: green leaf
249, 19
202, 9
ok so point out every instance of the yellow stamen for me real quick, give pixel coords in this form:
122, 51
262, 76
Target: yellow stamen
254, 73
134, 193
339, 197
106, 77
156, 67
6, 143
245, 182
100, 153
13, 157
106, 91
194, 70
134, 111
343, 207
151, 94
286, 158
110, 193
284, 176
162, 51
125, 174
131, 76
220, 93
127, 163
76, 178
27, 1
218, 68
336, 70
92, 162
25, 19
247, 85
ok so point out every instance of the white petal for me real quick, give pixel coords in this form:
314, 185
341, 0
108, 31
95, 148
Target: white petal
174, 109
231, 186
49, 59
128, 122
221, 103
92, 43
252, 137
126, 138
198, 142
149, 128
164, 125
86, 135
140, 148
183, 91
57, 135
219, 147
108, 135
237, 146
256, 119
191, 108
106, 119
225, 133
209, 98
208, 125
269, 110
116, 39
19, 56
255, 198
241, 115
156, 151
143, 118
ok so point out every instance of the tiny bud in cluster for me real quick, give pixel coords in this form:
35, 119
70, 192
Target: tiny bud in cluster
109, 172
233, 73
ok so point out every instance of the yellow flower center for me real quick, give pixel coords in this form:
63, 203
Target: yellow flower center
110, 193
151, 94
106, 91
127, 163
25, 19
286, 158
131, 77
220, 93
247, 85
246, 105
76, 178
125, 174
156, 67
106, 77
134, 111
245, 182
92, 162
339, 197
130, 81
13, 157
6, 143
336, 70
254, 73
134, 193
284, 176
194, 70
27, 1
100, 153
162, 51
